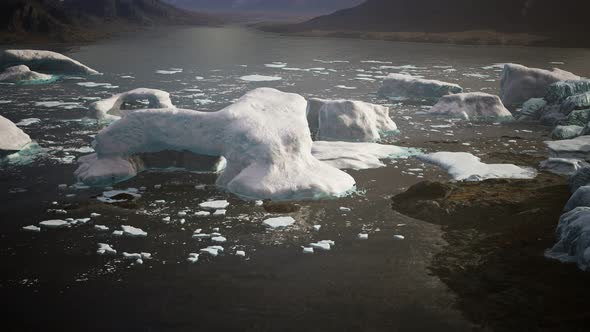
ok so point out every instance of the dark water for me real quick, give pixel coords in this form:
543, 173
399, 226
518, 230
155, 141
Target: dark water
55, 279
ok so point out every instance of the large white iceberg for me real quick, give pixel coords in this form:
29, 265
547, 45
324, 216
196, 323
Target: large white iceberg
472, 105
348, 120
407, 86
12, 138
463, 166
264, 136
44, 61
573, 234
23, 75
357, 156
113, 108
520, 83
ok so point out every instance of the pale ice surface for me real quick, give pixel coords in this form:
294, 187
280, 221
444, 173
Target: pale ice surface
133, 231
23, 75
111, 109
28, 122
260, 78
279, 222
12, 138
54, 223
44, 61
348, 120
214, 205
32, 228
407, 86
105, 249
471, 106
264, 136
463, 166
352, 155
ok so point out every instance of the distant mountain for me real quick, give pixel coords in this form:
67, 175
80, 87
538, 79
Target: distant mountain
86, 19
566, 20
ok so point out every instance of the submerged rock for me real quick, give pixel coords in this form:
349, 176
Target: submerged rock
44, 61
406, 86
112, 108
348, 120
573, 234
23, 75
566, 132
532, 109
12, 138
472, 105
560, 91
520, 83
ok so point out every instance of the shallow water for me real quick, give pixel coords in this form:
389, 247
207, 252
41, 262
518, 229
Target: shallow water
378, 284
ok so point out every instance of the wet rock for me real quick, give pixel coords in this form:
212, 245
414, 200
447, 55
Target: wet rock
580, 178
579, 117
553, 118
573, 233
566, 132
581, 197
576, 102
563, 166
532, 109
559, 91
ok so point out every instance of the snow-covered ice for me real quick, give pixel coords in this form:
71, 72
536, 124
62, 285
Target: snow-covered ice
23, 75
471, 106
214, 205
44, 61
12, 138
279, 222
212, 250
463, 166
352, 155
54, 223
111, 109
32, 228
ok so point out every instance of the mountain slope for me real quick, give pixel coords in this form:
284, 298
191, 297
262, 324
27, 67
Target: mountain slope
73, 20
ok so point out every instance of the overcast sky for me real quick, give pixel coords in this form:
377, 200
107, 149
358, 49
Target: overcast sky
310, 6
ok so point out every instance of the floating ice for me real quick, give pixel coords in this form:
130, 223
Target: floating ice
240, 253
44, 61
96, 85
202, 213
260, 78
214, 205
105, 249
344, 209
219, 239
325, 245
32, 228
276, 65
23, 75
307, 250
101, 228
399, 237
12, 138
471, 106
56, 223
221, 212
133, 231
400, 85
346, 87
212, 250
193, 258
170, 71
279, 222
520, 83
317, 227
112, 108
264, 136
573, 233
349, 155
348, 120
463, 166
28, 122
363, 236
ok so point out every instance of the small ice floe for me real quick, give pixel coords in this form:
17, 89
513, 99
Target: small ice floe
276, 65
60, 104
317, 227
96, 85
105, 249
221, 212
56, 223
94, 215
28, 122
219, 239
157, 186
193, 258
200, 187
79, 221
133, 231
32, 228
279, 222
199, 235
166, 219
119, 196
399, 237
325, 245
160, 201
117, 233
214, 205
182, 221
260, 78
170, 71
202, 213
182, 214
344, 87
363, 236
138, 258
101, 228
307, 250
241, 253
212, 250
344, 209
258, 203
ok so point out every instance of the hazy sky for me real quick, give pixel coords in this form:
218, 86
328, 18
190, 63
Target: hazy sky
316, 6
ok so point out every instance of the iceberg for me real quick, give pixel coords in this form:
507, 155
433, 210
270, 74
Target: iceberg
348, 120
112, 108
520, 83
44, 61
407, 86
23, 75
264, 136
463, 166
472, 105
358, 156
12, 138
573, 233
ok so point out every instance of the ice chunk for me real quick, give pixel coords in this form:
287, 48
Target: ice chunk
463, 166
348, 120
101, 228
32, 228
55, 223
202, 213
563, 166
212, 250
577, 148
260, 78
264, 136
213, 205
407, 86
279, 222
221, 212
240, 253
12, 138
325, 245
193, 258
112, 108
471, 106
133, 231
573, 233
219, 239
307, 250
399, 237
44, 61
105, 249
23, 75
363, 236
520, 83
350, 155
